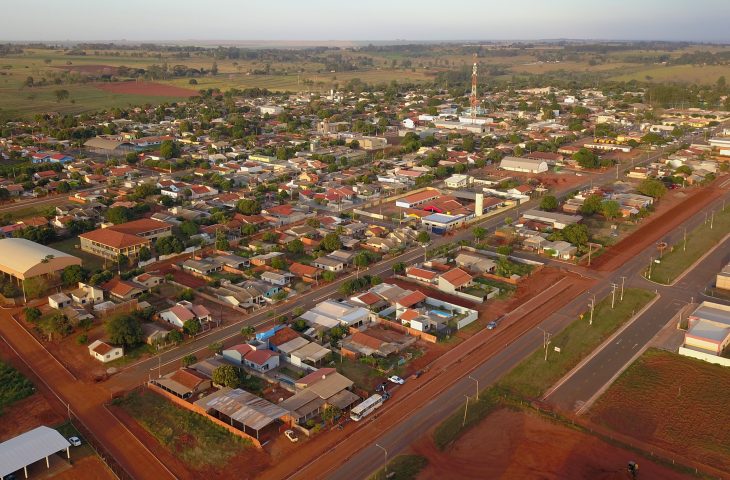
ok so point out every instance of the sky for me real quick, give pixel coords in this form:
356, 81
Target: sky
362, 20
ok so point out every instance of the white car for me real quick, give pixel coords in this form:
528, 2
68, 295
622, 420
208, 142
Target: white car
396, 379
291, 436
75, 441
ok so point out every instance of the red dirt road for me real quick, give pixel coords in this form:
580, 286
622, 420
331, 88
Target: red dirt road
315, 459
87, 403
512, 444
146, 88
656, 228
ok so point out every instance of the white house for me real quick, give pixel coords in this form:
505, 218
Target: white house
184, 311
458, 181
527, 165
59, 300
104, 352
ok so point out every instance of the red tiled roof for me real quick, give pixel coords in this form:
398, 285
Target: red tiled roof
114, 239
369, 298
259, 357
315, 376
302, 270
282, 336
188, 378
367, 340
409, 315
412, 299
421, 273
136, 227
457, 277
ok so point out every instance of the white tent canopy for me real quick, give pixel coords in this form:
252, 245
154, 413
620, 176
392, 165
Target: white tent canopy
29, 447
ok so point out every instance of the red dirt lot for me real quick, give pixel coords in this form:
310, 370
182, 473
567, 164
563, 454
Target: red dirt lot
669, 215
511, 444
86, 468
146, 88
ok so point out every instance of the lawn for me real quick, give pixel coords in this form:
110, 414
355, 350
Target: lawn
533, 376
364, 376
402, 467
192, 438
672, 401
14, 386
699, 241
89, 261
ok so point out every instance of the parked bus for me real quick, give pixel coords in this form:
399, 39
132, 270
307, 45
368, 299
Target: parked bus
366, 407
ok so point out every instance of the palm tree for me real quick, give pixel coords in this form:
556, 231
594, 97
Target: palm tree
247, 332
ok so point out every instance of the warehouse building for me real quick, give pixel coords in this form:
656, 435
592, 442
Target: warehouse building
525, 165
22, 259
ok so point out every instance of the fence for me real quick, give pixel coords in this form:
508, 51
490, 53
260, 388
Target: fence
118, 471
688, 352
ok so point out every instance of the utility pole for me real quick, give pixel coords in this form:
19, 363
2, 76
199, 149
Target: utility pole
545, 340
593, 306
386, 458
684, 245
613, 294
651, 261
466, 409
712, 219
622, 289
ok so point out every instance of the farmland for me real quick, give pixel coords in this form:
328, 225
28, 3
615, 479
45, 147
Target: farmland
674, 402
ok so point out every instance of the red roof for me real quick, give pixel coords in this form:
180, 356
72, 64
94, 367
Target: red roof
259, 357
369, 298
315, 376
302, 270
457, 277
114, 239
412, 299
421, 273
282, 336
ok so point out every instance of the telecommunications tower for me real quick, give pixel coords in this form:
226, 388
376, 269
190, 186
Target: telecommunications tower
473, 98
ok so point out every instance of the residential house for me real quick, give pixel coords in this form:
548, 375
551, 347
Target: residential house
184, 311
454, 280
104, 352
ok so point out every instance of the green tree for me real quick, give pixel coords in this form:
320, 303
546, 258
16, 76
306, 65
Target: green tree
331, 413
221, 241
591, 204
73, 274
117, 215
328, 276
144, 254
586, 158
124, 330
295, 247
226, 376
577, 234
35, 287
652, 187
423, 237
192, 327
610, 209
32, 314
188, 228
549, 203
684, 169
331, 242
479, 233
248, 207
188, 360
56, 324
175, 337
63, 187
215, 347
279, 263
247, 332
169, 149
361, 260
61, 94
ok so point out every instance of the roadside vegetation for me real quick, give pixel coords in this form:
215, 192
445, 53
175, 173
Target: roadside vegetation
402, 467
533, 376
13, 386
702, 239
192, 438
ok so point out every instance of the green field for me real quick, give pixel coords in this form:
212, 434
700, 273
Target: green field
402, 467
14, 386
533, 376
700, 74
699, 241
192, 438
89, 261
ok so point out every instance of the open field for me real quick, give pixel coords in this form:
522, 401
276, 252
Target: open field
520, 444
674, 402
700, 74
147, 89
91, 262
699, 241
193, 439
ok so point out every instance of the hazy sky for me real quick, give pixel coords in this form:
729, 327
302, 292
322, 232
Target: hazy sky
702, 20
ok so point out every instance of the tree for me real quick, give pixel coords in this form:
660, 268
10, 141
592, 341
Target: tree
35, 287
215, 347
169, 149
61, 94
187, 294
73, 274
124, 330
610, 209
591, 204
399, 268
63, 187
295, 247
226, 376
10, 290
131, 158
175, 337
279, 263
361, 260
549, 203
479, 233
192, 327
586, 158
423, 237
652, 187
468, 143
685, 169
221, 241
577, 234
56, 324
117, 215
248, 229
32, 314
248, 207
328, 276
144, 254
188, 360
247, 332
331, 242
188, 228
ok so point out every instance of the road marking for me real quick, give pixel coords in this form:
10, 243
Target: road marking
635, 345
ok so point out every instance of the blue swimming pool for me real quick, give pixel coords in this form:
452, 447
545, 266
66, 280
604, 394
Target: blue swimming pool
441, 313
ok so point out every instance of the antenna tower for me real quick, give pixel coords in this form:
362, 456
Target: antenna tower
473, 98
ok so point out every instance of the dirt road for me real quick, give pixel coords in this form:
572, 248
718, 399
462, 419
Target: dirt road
86, 403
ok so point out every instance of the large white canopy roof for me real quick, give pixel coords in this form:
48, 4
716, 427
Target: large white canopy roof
23, 259
29, 447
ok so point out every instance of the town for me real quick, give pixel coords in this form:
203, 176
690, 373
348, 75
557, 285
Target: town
368, 280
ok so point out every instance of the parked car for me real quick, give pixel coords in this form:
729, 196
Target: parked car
381, 387
291, 436
396, 379
75, 441
491, 325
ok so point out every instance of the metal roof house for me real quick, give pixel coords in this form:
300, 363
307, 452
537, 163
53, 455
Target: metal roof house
27, 448
526, 165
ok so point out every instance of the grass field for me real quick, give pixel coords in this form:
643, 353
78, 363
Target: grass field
533, 376
192, 438
675, 402
699, 241
402, 467
14, 386
89, 261
699, 74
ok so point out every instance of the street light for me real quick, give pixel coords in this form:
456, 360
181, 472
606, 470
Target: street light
477, 382
386, 458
